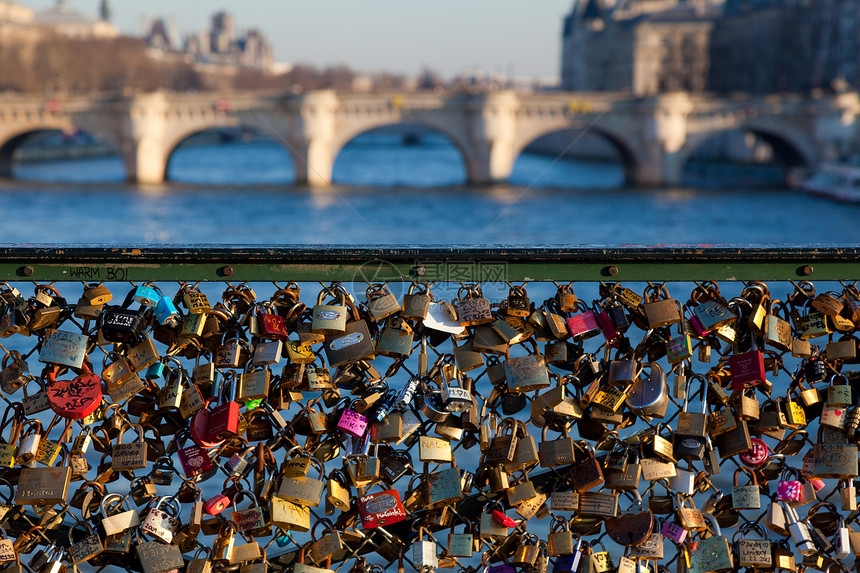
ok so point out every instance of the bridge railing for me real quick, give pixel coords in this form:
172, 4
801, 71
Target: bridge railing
449, 273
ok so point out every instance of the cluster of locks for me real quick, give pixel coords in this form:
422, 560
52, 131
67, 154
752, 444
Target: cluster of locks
255, 434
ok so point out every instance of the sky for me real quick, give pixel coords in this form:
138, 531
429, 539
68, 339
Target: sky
517, 37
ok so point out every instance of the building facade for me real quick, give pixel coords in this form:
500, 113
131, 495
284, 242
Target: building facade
724, 46
772, 46
641, 46
222, 46
20, 23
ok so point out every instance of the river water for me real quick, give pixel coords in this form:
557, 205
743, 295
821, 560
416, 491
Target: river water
388, 193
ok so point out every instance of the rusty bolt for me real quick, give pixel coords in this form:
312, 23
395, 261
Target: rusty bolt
612, 270
806, 270
27, 270
226, 271
417, 271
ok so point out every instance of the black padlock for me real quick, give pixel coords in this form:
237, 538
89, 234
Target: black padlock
618, 316
122, 324
395, 465
814, 370
711, 458
518, 302
689, 448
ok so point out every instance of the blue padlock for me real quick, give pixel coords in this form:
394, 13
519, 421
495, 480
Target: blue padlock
146, 295
155, 371
165, 312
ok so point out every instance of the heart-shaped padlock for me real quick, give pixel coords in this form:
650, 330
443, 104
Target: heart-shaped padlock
633, 526
76, 398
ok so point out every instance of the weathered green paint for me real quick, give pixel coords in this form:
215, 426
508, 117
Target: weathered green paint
325, 263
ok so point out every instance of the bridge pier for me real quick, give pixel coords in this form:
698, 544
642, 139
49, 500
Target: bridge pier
490, 163
313, 161
491, 151
145, 163
659, 169
312, 142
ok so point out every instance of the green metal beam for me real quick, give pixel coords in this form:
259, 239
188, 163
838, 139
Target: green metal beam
331, 263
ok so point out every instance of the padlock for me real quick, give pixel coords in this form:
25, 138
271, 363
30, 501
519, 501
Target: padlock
416, 304
162, 519
223, 420
251, 518
659, 308
754, 553
583, 325
122, 324
132, 455
799, 531
380, 302
303, 490
456, 397
14, 374
746, 496
395, 340
690, 423
28, 445
115, 518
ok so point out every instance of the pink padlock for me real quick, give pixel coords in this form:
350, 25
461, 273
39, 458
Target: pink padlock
583, 325
674, 532
610, 333
352, 423
698, 327
789, 491
757, 455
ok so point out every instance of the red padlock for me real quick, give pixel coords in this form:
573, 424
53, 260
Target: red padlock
381, 508
195, 462
200, 427
757, 455
610, 333
583, 325
272, 325
216, 504
747, 369
503, 519
77, 398
224, 418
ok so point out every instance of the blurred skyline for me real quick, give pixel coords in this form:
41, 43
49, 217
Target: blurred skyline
522, 39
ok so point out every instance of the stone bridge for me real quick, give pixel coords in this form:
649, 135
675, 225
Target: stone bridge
654, 136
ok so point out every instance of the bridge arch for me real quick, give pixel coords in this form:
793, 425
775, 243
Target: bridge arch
226, 131
11, 140
790, 144
467, 159
629, 153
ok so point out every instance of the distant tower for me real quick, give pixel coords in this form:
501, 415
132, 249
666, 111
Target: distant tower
105, 11
173, 31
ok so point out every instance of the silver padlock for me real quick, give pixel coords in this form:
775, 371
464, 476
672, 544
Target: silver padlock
161, 523
683, 482
28, 445
55, 562
799, 531
424, 553
841, 541
457, 398
237, 464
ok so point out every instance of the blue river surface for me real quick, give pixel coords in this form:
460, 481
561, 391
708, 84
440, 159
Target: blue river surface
387, 193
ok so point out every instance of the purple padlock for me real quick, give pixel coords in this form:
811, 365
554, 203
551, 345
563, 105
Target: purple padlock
352, 423
674, 532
